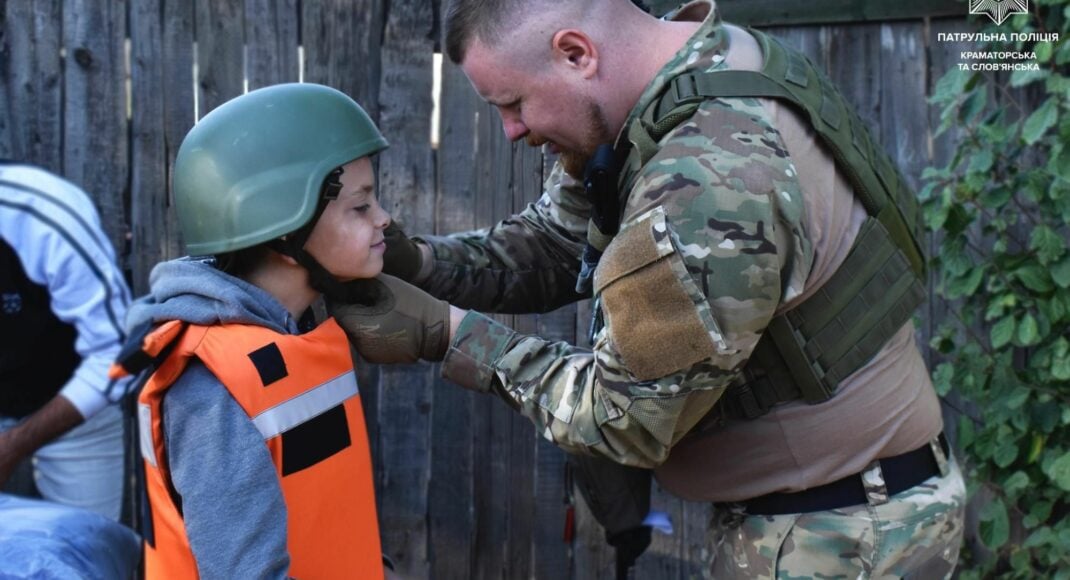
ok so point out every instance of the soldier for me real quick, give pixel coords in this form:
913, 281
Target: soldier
754, 266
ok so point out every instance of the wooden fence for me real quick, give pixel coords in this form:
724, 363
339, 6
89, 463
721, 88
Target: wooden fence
102, 92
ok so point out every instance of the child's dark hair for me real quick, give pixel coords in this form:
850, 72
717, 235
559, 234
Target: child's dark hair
241, 262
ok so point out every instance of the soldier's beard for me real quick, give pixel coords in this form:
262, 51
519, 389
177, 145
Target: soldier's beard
574, 160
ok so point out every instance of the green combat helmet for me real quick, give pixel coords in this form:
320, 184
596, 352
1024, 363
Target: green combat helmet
253, 169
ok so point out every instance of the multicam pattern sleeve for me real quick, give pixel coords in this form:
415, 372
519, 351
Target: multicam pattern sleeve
711, 245
528, 263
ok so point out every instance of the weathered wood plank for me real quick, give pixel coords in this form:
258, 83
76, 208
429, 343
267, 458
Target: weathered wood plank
526, 185
810, 41
95, 136
451, 501
178, 104
696, 541
903, 89
270, 42
551, 554
148, 185
407, 185
491, 486
853, 56
31, 127
521, 486
492, 419
220, 48
342, 39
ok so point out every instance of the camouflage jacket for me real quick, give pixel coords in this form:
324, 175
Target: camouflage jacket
711, 243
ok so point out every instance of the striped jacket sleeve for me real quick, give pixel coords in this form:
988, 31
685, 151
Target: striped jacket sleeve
56, 233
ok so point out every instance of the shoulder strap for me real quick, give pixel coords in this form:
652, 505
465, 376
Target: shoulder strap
790, 76
146, 346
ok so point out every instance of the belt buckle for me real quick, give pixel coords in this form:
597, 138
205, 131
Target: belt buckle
874, 485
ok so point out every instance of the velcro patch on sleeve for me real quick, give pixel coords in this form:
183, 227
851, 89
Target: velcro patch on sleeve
651, 317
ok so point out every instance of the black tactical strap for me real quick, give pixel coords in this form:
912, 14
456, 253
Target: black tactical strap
788, 75
806, 352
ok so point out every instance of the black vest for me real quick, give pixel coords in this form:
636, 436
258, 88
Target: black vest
37, 355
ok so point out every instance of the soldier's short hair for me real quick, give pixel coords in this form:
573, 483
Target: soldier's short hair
490, 20
467, 20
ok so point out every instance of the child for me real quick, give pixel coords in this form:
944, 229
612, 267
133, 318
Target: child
255, 450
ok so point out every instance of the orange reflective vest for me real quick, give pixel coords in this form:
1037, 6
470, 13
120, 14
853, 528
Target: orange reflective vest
301, 393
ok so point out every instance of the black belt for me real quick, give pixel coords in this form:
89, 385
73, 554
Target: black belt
901, 473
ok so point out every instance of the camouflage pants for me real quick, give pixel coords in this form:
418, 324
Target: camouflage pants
914, 534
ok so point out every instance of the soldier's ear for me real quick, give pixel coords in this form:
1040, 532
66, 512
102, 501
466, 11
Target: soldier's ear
575, 50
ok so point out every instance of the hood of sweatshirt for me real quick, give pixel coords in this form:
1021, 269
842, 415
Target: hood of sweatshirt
193, 290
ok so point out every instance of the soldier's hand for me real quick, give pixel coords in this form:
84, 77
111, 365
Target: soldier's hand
403, 257
391, 321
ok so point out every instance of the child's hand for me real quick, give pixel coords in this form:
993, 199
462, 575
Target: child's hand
403, 324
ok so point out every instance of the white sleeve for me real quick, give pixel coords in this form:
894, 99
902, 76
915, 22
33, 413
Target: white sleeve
56, 233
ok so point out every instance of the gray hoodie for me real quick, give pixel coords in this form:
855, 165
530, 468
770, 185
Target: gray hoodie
232, 504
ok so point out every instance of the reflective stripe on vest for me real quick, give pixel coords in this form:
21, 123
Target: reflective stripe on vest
301, 394
313, 403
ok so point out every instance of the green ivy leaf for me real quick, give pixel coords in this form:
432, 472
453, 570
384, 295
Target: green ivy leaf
1039, 538
942, 378
1016, 482
950, 86
1028, 334
1035, 277
1054, 308
1059, 471
967, 432
973, 105
995, 526
1020, 78
981, 162
996, 197
1044, 51
1002, 332
1017, 398
1040, 121
965, 285
1036, 447
1060, 272
1060, 368
1041, 510
1047, 244
1005, 454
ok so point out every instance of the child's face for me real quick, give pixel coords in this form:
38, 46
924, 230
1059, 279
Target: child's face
348, 238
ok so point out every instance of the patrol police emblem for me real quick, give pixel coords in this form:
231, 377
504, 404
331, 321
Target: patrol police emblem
12, 302
999, 10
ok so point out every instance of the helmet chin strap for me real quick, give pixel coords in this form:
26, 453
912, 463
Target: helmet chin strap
293, 245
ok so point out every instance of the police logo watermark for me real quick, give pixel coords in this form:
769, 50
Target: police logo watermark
999, 10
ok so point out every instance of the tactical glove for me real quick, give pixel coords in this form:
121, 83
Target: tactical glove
403, 258
391, 321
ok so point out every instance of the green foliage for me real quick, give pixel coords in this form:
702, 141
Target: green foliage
1001, 208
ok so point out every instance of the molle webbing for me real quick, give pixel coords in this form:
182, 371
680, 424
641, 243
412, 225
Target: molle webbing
806, 352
